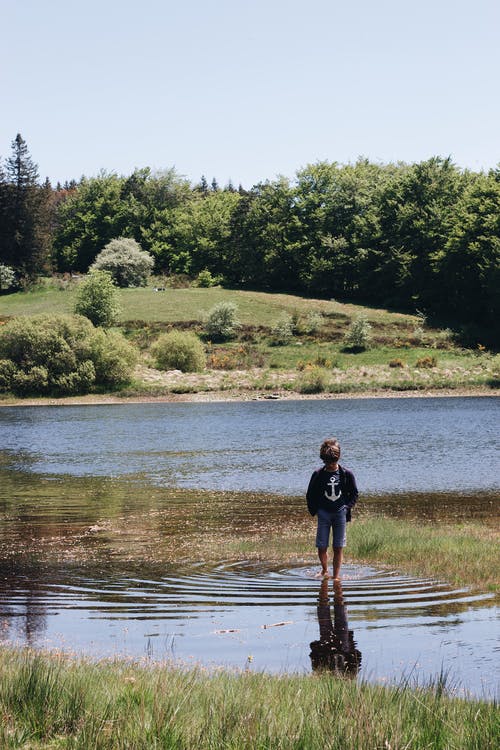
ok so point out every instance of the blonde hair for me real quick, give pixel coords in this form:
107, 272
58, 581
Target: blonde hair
330, 451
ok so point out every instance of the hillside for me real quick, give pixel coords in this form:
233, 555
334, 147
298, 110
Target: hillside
404, 354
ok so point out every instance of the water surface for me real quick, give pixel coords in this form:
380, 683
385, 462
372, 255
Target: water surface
103, 512
393, 445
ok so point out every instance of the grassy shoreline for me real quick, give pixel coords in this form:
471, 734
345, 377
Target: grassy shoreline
51, 701
404, 355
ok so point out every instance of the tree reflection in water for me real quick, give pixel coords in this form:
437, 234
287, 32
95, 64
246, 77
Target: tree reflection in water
28, 615
336, 649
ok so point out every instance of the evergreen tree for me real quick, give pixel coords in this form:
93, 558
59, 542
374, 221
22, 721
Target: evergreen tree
214, 185
203, 186
26, 227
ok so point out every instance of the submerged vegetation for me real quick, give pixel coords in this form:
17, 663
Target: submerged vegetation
52, 702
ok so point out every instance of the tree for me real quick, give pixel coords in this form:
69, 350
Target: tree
97, 299
337, 210
469, 263
415, 213
202, 228
89, 218
202, 187
125, 261
108, 206
7, 277
25, 225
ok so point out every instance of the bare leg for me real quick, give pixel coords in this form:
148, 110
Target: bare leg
338, 553
323, 558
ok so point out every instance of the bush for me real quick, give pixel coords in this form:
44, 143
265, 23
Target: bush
97, 299
7, 278
358, 337
112, 356
205, 279
222, 322
125, 261
426, 362
396, 363
313, 380
282, 331
312, 322
179, 351
61, 354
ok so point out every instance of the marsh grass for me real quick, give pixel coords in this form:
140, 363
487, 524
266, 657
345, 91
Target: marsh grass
461, 553
48, 701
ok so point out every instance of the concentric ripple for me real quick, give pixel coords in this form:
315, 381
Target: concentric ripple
380, 623
194, 590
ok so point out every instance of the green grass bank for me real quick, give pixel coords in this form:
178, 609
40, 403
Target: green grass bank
48, 701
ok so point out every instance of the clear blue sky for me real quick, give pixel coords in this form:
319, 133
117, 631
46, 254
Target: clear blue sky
248, 89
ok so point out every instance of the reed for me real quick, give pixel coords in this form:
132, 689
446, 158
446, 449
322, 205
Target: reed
49, 701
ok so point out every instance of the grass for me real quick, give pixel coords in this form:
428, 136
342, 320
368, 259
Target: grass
256, 308
463, 553
52, 702
310, 364
459, 553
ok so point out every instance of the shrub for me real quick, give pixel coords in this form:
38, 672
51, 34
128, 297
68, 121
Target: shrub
358, 337
426, 362
7, 372
313, 322
7, 277
125, 261
312, 380
61, 354
396, 363
205, 279
179, 351
112, 356
222, 322
282, 331
240, 357
97, 299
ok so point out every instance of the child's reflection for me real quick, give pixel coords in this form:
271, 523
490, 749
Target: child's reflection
336, 649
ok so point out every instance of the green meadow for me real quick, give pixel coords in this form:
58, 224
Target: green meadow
404, 353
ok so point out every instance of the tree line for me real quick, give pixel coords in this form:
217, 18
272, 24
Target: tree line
423, 236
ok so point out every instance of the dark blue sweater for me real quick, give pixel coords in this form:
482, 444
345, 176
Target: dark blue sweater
315, 495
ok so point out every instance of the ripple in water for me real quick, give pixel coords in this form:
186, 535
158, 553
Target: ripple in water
380, 624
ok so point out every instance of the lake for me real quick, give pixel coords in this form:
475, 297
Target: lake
148, 478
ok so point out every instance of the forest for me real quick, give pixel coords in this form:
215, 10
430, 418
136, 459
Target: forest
413, 237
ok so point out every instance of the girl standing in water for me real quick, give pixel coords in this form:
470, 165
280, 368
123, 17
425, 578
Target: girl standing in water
331, 495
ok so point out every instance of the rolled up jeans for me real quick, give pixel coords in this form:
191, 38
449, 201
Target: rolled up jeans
336, 521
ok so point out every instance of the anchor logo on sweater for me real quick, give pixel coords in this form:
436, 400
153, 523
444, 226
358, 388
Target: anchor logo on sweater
333, 495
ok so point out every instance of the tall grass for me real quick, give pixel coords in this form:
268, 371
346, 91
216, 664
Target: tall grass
460, 553
52, 702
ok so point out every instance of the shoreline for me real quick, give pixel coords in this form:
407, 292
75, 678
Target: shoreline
93, 399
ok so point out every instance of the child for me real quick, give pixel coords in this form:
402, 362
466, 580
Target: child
331, 494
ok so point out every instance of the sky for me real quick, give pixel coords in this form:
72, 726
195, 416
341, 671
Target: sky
245, 90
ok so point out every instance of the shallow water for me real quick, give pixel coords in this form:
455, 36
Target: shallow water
393, 445
379, 624
103, 512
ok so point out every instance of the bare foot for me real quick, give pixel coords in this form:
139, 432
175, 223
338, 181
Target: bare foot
322, 574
